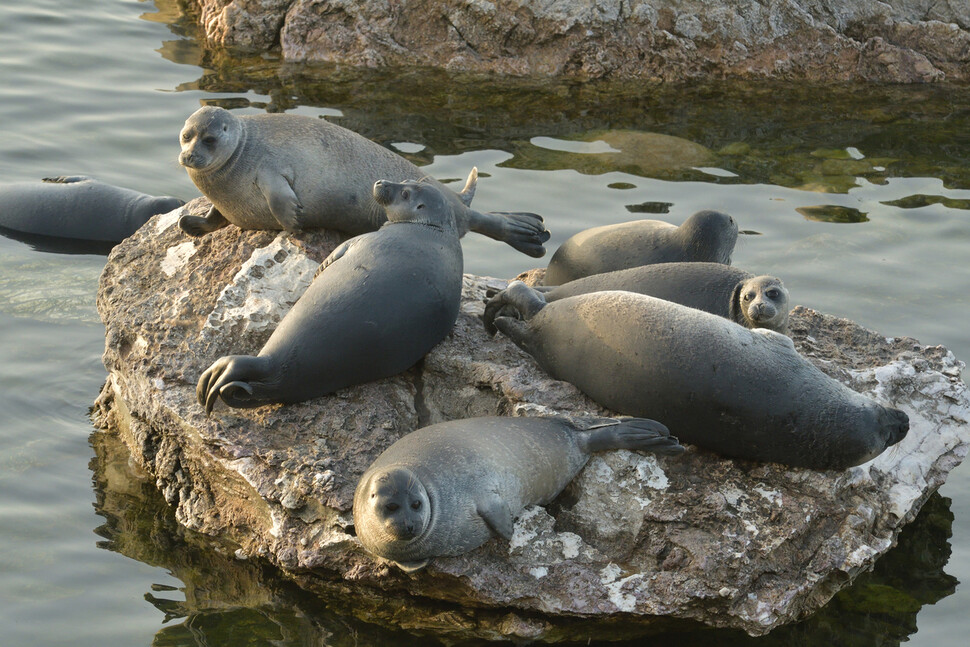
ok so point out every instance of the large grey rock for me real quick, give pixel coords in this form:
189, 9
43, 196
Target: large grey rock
892, 40
634, 539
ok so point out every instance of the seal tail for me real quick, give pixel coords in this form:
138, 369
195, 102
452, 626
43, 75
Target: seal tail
634, 433
468, 193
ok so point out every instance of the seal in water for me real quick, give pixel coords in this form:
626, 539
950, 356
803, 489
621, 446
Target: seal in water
378, 303
291, 172
752, 301
739, 392
707, 236
446, 489
76, 214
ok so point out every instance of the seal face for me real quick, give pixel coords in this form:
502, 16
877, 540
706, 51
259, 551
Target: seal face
291, 172
76, 214
707, 236
378, 303
742, 393
448, 488
752, 301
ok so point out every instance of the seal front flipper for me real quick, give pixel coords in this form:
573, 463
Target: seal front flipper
336, 254
495, 512
523, 231
283, 201
411, 567
65, 179
517, 299
197, 226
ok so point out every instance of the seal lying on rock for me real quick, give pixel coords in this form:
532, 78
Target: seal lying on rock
76, 208
446, 489
742, 393
378, 303
279, 171
752, 301
707, 236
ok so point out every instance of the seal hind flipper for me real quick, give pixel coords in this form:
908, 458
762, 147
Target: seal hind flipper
518, 299
468, 193
227, 378
635, 433
197, 226
521, 230
495, 512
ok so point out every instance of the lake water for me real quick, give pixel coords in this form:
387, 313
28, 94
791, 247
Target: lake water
858, 197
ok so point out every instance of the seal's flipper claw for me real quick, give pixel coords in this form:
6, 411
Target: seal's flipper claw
411, 567
523, 231
231, 393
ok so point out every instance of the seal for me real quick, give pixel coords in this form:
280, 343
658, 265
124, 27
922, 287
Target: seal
377, 304
448, 488
292, 172
76, 214
707, 236
739, 392
729, 292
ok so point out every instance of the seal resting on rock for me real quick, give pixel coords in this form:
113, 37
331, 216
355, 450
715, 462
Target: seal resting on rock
739, 392
729, 292
291, 172
76, 213
707, 236
446, 489
378, 303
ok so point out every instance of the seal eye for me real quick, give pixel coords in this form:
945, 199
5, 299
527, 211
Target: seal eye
748, 296
416, 505
208, 140
405, 194
772, 294
391, 507
420, 206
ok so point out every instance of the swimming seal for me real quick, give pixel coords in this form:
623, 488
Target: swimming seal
707, 236
729, 292
378, 303
739, 392
291, 172
76, 214
446, 489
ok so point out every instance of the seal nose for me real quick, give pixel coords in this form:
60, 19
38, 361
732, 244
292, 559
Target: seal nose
382, 192
898, 427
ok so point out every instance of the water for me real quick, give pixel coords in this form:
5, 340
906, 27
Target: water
859, 197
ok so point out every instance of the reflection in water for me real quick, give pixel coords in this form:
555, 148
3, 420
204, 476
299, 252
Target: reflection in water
833, 213
232, 602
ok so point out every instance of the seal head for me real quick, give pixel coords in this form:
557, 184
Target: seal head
209, 138
396, 505
761, 302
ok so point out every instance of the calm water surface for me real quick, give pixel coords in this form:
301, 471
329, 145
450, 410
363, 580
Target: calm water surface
858, 197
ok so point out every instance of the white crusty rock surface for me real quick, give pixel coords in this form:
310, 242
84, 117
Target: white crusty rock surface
634, 539
889, 40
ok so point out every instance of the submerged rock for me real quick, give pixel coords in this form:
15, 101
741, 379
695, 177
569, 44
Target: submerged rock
632, 540
892, 41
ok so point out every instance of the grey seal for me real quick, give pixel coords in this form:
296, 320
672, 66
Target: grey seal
446, 489
292, 172
378, 303
739, 392
707, 236
729, 292
76, 213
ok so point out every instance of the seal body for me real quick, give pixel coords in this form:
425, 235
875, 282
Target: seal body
291, 172
742, 393
729, 292
378, 303
448, 488
76, 208
707, 236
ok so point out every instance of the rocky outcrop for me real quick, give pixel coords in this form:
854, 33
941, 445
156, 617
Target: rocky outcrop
634, 540
892, 40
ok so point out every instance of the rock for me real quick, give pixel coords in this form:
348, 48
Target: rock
633, 540
896, 40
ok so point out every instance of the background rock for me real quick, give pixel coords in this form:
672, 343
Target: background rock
892, 40
634, 539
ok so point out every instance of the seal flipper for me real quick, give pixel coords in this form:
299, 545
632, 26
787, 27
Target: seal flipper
495, 512
281, 198
518, 299
228, 378
635, 433
411, 567
471, 184
197, 226
338, 253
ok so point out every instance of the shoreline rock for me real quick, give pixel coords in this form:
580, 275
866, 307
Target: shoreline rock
633, 540
897, 41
